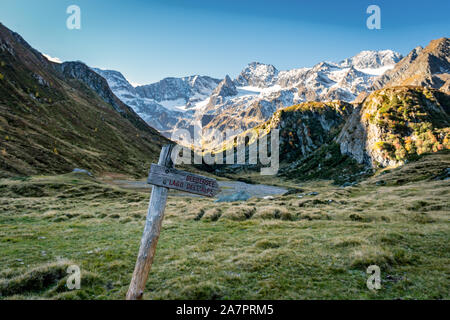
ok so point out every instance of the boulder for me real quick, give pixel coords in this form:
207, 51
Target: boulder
238, 196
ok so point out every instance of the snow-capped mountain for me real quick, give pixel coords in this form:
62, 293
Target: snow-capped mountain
179, 93
258, 75
256, 93
373, 62
164, 103
262, 89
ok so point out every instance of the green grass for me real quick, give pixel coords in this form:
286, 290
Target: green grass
63, 125
327, 162
285, 248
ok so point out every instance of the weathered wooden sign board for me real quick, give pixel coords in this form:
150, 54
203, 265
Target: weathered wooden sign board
164, 177
182, 181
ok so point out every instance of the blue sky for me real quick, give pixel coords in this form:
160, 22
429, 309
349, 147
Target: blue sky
149, 40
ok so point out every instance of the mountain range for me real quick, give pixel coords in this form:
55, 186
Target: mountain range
384, 127
375, 109
252, 97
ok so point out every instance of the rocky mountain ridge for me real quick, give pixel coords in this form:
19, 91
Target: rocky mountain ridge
395, 124
259, 90
343, 141
429, 66
165, 103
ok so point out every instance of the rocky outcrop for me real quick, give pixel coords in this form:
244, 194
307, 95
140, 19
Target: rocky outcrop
352, 138
427, 66
396, 124
302, 128
307, 126
225, 89
79, 71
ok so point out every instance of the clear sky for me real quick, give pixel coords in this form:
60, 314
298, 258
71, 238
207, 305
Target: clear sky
148, 40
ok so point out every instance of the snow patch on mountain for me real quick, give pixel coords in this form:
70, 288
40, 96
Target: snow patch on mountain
52, 59
257, 74
256, 93
164, 103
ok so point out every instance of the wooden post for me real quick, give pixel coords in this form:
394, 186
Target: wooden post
152, 229
163, 177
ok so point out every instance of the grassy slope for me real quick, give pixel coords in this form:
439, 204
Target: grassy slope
52, 124
39, 137
289, 247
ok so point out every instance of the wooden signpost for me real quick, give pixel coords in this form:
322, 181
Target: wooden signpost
163, 177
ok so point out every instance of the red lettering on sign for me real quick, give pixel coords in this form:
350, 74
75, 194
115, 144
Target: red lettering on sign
206, 182
176, 183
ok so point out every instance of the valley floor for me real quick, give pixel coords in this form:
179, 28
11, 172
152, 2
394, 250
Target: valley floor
290, 247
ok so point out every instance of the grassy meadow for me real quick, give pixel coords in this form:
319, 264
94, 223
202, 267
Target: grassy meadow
290, 247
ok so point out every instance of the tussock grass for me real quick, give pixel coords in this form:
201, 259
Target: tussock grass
264, 249
213, 214
34, 280
348, 242
239, 213
266, 244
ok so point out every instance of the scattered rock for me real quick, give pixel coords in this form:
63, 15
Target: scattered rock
348, 184
77, 170
445, 175
238, 196
393, 278
293, 191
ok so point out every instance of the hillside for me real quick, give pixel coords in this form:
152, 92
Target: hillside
395, 124
345, 142
55, 118
429, 66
